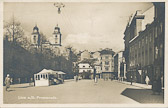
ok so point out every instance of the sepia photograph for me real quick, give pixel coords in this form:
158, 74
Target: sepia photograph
99, 53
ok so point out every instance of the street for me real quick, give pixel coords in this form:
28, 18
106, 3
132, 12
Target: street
81, 92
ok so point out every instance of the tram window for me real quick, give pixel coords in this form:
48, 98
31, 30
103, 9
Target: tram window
38, 77
43, 76
46, 76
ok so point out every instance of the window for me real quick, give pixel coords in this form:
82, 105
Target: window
161, 49
83, 66
38, 77
146, 39
106, 62
156, 52
46, 76
150, 37
139, 44
43, 76
142, 41
106, 68
106, 57
161, 27
155, 32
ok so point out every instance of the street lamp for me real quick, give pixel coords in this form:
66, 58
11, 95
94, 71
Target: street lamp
59, 6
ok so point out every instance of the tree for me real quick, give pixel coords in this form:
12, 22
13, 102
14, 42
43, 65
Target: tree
43, 37
13, 31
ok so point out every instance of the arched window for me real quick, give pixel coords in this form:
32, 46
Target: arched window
44, 76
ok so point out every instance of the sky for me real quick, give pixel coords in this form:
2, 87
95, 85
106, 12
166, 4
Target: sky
84, 25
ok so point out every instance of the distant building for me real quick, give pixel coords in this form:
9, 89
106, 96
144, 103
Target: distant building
107, 63
53, 46
120, 66
85, 55
85, 70
97, 57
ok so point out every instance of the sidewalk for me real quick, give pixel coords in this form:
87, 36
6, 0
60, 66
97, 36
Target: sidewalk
145, 86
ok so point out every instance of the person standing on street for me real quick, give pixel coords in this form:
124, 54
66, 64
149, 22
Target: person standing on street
7, 82
147, 80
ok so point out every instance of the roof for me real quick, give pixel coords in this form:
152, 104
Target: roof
60, 72
45, 71
35, 28
107, 51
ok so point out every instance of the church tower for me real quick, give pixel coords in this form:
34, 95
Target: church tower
57, 36
35, 38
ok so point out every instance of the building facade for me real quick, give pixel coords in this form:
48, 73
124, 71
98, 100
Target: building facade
120, 66
144, 50
97, 57
107, 64
159, 40
85, 70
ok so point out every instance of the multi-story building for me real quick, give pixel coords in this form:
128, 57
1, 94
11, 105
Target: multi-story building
159, 39
120, 66
107, 63
85, 70
97, 60
140, 44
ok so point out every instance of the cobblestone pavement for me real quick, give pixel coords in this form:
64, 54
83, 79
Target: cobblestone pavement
81, 92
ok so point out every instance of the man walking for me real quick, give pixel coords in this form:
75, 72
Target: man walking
7, 82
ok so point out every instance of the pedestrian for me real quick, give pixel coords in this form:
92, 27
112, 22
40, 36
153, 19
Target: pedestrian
131, 79
162, 81
147, 80
7, 82
95, 80
76, 78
